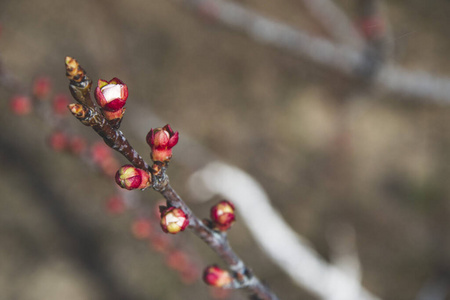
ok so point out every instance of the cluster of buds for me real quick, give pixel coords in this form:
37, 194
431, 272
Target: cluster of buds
131, 178
222, 215
161, 142
173, 220
111, 96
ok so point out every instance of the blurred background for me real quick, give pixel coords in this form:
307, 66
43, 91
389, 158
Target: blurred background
345, 162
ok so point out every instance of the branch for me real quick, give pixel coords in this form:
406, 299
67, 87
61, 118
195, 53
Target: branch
94, 117
345, 59
276, 238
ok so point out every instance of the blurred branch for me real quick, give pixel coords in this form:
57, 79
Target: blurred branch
388, 77
288, 250
334, 20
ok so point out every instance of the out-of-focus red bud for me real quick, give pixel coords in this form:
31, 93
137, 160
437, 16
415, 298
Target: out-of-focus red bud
41, 87
111, 95
215, 276
222, 215
99, 152
160, 243
130, 178
190, 273
77, 145
141, 228
115, 205
60, 103
58, 141
161, 141
173, 220
177, 260
20, 105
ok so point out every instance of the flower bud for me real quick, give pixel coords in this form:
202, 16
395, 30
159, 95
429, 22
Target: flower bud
58, 141
41, 87
130, 178
111, 95
173, 220
115, 205
141, 228
20, 105
60, 103
161, 141
77, 145
215, 276
222, 215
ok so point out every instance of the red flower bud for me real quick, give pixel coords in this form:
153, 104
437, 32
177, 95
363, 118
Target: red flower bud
141, 228
77, 145
161, 141
215, 276
58, 141
130, 178
222, 215
111, 95
41, 87
115, 205
60, 103
173, 220
20, 105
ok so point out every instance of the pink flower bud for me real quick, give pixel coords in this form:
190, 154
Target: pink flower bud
161, 141
60, 103
115, 205
77, 145
222, 215
141, 228
41, 87
130, 178
215, 276
173, 220
20, 105
111, 95
58, 141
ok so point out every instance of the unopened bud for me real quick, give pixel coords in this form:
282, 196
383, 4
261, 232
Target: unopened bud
173, 220
41, 87
161, 141
130, 178
215, 276
73, 70
222, 215
58, 141
20, 105
60, 103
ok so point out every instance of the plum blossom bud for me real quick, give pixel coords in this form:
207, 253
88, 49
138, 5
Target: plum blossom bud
130, 178
20, 105
215, 276
60, 103
173, 220
222, 215
161, 141
41, 87
141, 228
111, 95
58, 141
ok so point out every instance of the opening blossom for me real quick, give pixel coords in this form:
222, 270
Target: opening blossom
222, 215
111, 95
173, 220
